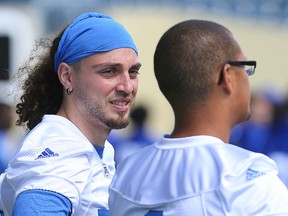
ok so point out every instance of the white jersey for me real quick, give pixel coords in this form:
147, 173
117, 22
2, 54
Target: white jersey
56, 156
199, 176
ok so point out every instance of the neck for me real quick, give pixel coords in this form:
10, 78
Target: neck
96, 134
201, 123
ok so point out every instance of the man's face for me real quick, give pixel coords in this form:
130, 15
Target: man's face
105, 86
243, 92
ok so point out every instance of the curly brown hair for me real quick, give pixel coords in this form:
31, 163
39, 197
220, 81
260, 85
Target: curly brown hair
42, 90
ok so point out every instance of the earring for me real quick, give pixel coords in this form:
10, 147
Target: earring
68, 91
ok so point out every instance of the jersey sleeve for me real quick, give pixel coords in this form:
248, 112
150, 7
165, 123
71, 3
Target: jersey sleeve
270, 195
262, 195
63, 168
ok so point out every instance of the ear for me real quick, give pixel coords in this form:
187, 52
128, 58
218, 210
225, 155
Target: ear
226, 83
64, 74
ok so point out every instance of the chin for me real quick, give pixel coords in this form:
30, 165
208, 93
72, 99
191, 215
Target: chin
243, 118
117, 124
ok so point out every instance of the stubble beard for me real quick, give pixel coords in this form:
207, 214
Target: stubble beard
96, 115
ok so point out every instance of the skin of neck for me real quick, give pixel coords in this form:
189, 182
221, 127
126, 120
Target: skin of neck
96, 134
213, 118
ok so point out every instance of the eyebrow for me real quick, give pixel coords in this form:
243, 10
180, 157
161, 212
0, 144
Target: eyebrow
137, 65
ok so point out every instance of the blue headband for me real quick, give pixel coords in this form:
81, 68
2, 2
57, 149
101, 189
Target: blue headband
88, 34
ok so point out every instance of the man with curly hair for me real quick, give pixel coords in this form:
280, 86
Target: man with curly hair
75, 94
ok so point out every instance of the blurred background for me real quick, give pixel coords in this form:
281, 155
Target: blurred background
260, 26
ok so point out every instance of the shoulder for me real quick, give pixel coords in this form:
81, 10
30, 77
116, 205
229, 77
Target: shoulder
52, 157
250, 176
56, 134
264, 191
224, 158
55, 126
199, 168
235, 160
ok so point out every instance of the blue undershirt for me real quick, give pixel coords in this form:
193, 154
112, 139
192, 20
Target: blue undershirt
42, 202
99, 150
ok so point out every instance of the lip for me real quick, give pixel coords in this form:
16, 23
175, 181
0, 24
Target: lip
121, 104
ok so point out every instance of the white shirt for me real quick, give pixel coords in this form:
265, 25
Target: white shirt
197, 176
56, 156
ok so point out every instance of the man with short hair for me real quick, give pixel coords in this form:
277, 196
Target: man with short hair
203, 73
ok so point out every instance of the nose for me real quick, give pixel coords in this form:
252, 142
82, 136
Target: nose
125, 83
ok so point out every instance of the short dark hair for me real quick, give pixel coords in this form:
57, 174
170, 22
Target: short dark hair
188, 57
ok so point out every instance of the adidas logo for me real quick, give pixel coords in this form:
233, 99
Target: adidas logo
47, 153
251, 174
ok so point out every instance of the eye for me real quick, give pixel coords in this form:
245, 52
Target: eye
134, 73
108, 72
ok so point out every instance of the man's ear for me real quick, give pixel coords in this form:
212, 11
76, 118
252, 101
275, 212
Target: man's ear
226, 83
64, 74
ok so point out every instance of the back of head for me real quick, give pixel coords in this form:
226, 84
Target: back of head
188, 58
